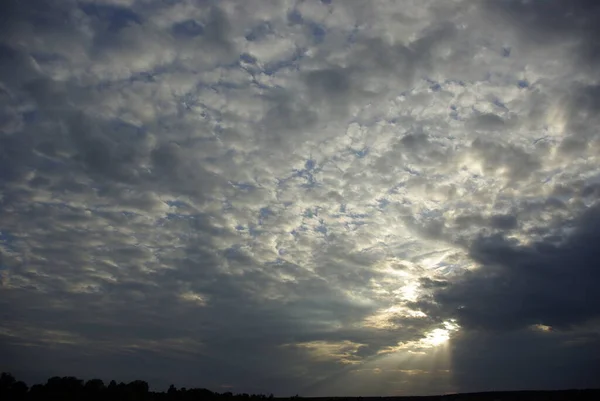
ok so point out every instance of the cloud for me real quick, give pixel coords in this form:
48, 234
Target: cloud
544, 282
262, 190
525, 359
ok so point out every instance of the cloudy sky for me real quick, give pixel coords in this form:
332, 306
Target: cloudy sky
301, 197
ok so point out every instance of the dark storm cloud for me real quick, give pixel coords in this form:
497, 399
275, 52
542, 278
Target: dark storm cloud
529, 314
548, 23
525, 359
545, 282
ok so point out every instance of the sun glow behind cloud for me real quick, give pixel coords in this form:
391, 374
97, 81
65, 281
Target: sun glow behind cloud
440, 336
399, 369
437, 337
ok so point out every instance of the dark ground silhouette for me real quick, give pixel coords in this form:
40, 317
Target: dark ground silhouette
73, 389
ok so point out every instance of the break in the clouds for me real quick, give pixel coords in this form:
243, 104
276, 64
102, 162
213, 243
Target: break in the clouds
303, 197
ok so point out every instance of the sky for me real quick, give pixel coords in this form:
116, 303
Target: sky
301, 197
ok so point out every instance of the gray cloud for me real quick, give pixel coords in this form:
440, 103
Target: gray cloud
542, 283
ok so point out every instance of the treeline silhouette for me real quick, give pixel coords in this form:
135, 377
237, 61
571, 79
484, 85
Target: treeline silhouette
73, 389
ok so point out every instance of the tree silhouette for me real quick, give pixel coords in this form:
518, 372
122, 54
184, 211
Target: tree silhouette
11, 389
94, 390
73, 389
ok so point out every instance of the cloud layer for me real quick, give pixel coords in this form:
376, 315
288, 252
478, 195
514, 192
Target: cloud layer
301, 196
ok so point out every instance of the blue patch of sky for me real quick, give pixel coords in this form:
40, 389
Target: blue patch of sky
356, 216
592, 180
247, 58
455, 81
189, 100
44, 16
44, 57
126, 131
309, 164
172, 2
281, 182
396, 188
221, 85
353, 36
411, 171
232, 252
294, 17
498, 103
29, 116
435, 87
548, 179
253, 231
351, 226
523, 84
276, 262
318, 32
191, 141
361, 152
150, 76
259, 32
307, 173
188, 28
310, 181
226, 205
262, 86
177, 203
382, 203
310, 213
231, 65
118, 17
430, 213
141, 76
506, 51
541, 139
215, 113
447, 268
264, 214
61, 206
290, 63
228, 85
218, 129
7, 240
322, 228
242, 186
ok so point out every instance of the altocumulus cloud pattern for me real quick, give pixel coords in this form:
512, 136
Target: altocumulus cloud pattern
314, 197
